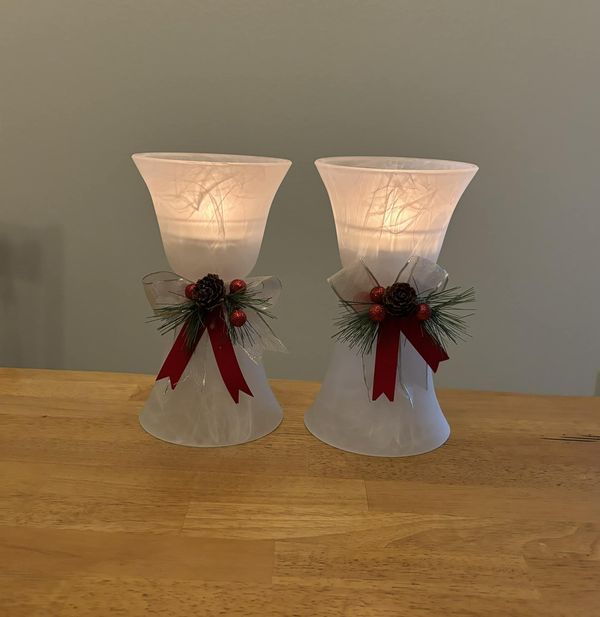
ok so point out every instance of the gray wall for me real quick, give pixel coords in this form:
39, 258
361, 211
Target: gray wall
511, 85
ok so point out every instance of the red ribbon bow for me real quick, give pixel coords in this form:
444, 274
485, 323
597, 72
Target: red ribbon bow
354, 282
181, 353
163, 288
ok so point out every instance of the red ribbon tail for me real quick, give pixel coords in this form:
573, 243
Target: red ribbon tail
178, 357
388, 347
227, 362
426, 346
386, 359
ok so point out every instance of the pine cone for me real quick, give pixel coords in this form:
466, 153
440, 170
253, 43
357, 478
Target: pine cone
400, 300
209, 291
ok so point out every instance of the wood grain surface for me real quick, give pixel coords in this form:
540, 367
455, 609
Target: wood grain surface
97, 518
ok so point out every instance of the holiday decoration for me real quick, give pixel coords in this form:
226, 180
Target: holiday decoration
206, 306
429, 318
212, 209
399, 315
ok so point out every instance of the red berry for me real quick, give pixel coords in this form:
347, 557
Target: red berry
377, 313
423, 312
189, 291
376, 294
238, 318
237, 285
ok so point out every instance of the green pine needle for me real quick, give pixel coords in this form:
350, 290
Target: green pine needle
447, 323
354, 328
174, 316
248, 299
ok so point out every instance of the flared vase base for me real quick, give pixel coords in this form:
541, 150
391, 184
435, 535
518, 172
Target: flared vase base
377, 440
233, 436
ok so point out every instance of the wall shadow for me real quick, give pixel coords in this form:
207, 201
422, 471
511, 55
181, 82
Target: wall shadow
32, 292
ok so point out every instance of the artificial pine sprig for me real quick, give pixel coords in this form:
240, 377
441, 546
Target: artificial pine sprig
192, 313
186, 315
355, 327
447, 320
248, 298
173, 316
441, 314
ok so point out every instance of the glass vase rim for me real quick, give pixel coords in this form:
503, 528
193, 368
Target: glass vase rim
210, 158
415, 165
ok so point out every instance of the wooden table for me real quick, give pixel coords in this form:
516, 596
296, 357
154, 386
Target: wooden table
99, 518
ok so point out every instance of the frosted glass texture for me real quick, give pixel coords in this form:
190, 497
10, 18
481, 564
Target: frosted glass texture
212, 211
211, 208
386, 210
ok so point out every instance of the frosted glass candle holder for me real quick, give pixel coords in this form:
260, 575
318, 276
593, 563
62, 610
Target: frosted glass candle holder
386, 210
212, 211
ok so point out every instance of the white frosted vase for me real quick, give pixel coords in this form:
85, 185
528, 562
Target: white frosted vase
212, 211
386, 210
